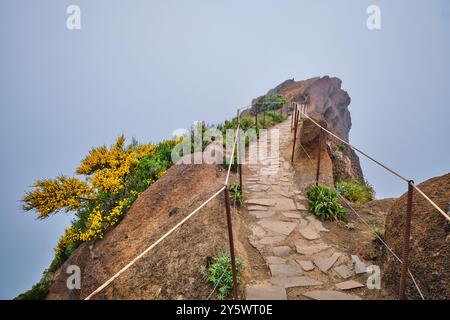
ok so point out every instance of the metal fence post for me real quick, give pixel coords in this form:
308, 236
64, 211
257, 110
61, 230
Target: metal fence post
295, 134
239, 151
318, 157
230, 237
406, 236
294, 112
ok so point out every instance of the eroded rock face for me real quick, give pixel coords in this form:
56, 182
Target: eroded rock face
327, 101
169, 266
429, 254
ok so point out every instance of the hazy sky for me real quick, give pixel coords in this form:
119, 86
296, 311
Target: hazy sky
145, 68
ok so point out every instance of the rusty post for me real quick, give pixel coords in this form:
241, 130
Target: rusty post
230, 237
294, 113
318, 157
239, 151
295, 134
406, 236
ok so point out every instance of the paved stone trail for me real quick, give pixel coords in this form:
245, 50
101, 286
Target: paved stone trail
288, 237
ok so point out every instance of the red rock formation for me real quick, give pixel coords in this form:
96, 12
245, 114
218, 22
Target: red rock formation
326, 100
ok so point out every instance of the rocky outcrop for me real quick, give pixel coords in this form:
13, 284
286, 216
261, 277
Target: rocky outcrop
326, 100
430, 242
170, 270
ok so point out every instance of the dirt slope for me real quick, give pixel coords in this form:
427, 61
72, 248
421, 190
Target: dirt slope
170, 271
430, 241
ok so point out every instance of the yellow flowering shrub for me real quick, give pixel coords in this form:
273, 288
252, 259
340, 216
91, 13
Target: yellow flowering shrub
113, 178
50, 196
71, 236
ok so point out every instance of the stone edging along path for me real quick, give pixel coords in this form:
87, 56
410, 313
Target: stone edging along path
302, 265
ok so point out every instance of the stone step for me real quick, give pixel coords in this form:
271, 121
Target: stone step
297, 281
309, 233
325, 264
284, 270
271, 240
330, 295
285, 228
281, 251
262, 202
348, 285
262, 214
343, 271
305, 264
265, 292
309, 249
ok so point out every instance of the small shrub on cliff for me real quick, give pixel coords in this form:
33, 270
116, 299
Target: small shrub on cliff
340, 149
40, 290
269, 102
356, 191
220, 274
324, 203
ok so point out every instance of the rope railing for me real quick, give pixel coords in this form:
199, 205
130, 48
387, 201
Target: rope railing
370, 228
445, 215
138, 257
411, 186
224, 189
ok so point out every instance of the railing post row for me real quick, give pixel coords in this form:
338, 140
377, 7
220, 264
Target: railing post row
230, 238
295, 115
406, 236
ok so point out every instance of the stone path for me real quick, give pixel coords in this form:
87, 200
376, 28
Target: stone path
289, 238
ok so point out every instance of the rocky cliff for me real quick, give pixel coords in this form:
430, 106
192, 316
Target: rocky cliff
328, 101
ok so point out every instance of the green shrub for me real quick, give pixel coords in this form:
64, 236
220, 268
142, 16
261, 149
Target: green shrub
341, 148
324, 203
236, 195
356, 191
40, 290
269, 102
377, 227
220, 274
275, 116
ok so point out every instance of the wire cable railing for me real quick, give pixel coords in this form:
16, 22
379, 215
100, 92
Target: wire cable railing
411, 185
370, 228
445, 215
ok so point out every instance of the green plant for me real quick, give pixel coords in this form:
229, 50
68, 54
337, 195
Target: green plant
40, 290
350, 226
275, 116
269, 102
356, 191
324, 203
236, 195
376, 226
220, 274
340, 149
